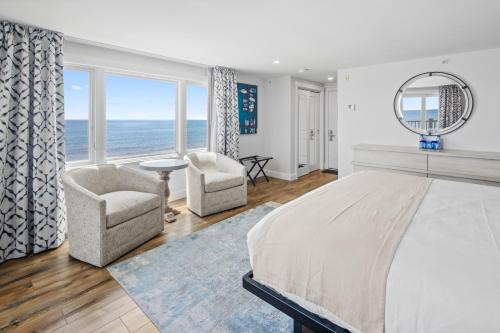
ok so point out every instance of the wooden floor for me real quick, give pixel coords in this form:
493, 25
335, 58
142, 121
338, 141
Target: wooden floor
52, 292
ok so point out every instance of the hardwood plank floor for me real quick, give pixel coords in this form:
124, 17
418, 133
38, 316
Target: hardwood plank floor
52, 292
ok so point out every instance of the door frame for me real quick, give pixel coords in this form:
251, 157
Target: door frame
317, 88
327, 116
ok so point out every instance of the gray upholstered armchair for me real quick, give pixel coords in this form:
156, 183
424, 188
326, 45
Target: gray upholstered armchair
110, 211
214, 183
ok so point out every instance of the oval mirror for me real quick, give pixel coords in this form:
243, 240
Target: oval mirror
433, 103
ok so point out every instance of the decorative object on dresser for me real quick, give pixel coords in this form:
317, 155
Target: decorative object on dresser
433, 103
431, 143
256, 161
111, 210
164, 168
461, 165
214, 183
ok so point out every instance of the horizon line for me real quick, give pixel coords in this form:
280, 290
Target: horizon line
132, 119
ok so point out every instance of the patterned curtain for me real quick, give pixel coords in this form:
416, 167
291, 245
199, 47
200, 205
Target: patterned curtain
32, 208
225, 96
451, 105
212, 117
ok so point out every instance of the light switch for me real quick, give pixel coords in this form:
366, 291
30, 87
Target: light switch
351, 107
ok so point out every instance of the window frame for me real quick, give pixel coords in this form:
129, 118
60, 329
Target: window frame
200, 84
423, 95
97, 114
139, 157
91, 112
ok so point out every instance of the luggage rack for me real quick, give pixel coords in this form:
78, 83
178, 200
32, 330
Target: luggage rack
257, 161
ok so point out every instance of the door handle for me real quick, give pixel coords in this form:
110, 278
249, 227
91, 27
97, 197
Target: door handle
331, 135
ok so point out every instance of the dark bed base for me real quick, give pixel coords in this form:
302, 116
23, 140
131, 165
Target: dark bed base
301, 317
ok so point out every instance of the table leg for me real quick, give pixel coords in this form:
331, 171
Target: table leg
169, 212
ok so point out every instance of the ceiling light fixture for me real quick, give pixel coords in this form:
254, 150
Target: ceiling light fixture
330, 78
276, 62
302, 70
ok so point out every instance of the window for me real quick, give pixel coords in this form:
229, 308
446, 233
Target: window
432, 111
115, 116
421, 110
76, 108
140, 116
196, 116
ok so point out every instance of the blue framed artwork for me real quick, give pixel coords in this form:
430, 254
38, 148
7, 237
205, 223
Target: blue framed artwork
247, 108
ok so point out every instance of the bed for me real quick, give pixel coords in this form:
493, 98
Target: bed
380, 252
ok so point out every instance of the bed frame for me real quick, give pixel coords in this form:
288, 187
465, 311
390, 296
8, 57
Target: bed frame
301, 317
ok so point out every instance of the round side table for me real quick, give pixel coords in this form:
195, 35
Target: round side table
164, 168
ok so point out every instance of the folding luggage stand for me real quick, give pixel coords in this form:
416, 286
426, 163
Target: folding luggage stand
260, 162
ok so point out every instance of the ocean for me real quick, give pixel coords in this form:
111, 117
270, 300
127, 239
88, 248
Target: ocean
133, 137
414, 115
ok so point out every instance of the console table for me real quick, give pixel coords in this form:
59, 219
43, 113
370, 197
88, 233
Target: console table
460, 165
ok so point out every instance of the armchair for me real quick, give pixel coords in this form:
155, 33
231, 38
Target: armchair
110, 211
214, 183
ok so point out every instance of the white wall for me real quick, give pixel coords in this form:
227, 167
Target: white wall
372, 89
280, 124
120, 59
277, 124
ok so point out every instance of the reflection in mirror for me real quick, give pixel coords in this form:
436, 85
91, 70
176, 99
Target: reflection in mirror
433, 103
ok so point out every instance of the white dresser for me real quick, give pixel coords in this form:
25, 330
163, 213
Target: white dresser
460, 165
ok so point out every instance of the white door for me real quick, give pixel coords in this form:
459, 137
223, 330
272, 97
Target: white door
313, 131
331, 112
308, 131
303, 127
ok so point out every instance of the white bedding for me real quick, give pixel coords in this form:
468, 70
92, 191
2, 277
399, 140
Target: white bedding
445, 276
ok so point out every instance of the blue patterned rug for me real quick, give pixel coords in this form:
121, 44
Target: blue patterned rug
194, 284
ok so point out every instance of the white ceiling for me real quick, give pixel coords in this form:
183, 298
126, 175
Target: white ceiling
323, 35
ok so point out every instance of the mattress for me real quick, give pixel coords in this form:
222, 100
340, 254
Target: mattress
445, 276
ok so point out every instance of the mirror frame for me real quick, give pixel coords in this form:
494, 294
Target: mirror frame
469, 106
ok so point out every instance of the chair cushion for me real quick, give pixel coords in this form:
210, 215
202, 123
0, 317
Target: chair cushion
218, 181
122, 206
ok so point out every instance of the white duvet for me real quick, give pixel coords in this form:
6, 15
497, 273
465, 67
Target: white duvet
445, 276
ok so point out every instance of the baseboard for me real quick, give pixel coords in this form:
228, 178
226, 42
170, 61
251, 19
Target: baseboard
176, 195
280, 175
180, 194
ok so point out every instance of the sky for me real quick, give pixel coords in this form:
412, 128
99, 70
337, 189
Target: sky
414, 103
130, 98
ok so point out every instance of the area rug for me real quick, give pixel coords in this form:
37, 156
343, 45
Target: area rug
194, 284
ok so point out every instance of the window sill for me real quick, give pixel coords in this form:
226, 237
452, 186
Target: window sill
194, 150
137, 159
121, 160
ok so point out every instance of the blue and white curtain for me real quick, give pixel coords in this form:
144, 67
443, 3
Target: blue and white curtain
32, 209
225, 112
451, 105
